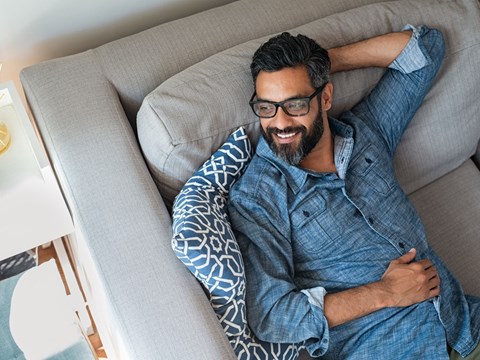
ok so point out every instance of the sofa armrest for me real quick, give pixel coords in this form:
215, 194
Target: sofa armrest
156, 308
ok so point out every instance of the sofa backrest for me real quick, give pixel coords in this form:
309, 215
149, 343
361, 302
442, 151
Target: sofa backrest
191, 114
137, 64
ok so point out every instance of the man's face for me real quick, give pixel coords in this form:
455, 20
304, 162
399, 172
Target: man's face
290, 137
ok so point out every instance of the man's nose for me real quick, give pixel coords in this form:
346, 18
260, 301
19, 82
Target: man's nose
281, 120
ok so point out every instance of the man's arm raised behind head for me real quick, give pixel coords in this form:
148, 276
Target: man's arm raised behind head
378, 51
413, 61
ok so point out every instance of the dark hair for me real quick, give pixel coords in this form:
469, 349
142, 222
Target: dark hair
285, 50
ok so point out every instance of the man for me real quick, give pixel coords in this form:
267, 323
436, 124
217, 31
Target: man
335, 254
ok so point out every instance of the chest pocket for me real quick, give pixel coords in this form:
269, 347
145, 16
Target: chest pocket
374, 170
313, 226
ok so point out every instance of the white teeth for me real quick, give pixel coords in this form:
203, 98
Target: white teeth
285, 136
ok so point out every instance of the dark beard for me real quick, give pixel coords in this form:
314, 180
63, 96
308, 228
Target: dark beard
288, 152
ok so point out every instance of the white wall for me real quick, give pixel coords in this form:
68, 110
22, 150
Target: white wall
32, 31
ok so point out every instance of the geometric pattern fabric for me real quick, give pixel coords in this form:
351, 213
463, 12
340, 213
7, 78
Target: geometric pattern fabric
16, 264
204, 241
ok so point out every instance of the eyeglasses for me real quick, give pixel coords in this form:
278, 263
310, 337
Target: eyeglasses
291, 107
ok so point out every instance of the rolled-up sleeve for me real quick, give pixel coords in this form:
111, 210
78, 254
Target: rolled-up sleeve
316, 296
412, 58
391, 105
277, 311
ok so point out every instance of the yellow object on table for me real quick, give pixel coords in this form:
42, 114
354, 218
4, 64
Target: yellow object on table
4, 137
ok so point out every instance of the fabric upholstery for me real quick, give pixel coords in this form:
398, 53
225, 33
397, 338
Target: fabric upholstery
204, 241
215, 94
450, 209
162, 51
119, 216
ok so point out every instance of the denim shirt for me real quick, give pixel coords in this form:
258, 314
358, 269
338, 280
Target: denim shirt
303, 234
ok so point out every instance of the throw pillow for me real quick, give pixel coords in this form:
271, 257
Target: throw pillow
204, 241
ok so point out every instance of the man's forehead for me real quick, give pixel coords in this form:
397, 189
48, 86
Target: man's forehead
283, 84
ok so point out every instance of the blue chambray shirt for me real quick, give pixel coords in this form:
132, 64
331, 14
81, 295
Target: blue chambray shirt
303, 234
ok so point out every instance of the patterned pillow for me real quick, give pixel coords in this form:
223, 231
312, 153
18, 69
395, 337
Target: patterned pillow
203, 240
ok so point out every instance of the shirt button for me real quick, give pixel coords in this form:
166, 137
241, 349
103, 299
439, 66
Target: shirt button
401, 244
306, 213
357, 213
370, 220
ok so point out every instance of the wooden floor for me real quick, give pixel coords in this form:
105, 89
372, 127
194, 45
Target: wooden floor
49, 253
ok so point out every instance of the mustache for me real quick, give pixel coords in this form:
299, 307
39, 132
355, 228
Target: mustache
288, 130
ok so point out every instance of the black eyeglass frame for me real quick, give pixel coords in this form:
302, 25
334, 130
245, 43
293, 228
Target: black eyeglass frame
281, 104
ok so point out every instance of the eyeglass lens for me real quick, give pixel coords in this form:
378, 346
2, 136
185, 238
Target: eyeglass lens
295, 107
292, 107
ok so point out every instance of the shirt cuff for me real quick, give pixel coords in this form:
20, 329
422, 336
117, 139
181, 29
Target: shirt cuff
318, 346
412, 58
315, 296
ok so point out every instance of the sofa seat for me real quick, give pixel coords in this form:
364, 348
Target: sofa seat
450, 210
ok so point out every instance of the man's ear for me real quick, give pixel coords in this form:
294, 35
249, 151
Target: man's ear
327, 97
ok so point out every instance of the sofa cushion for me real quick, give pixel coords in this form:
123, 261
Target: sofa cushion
182, 121
203, 240
450, 207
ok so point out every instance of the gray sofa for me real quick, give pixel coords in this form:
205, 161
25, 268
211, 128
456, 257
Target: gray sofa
120, 183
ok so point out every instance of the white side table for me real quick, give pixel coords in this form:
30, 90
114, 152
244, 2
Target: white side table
32, 208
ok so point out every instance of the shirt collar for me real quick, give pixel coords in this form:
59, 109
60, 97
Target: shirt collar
343, 146
295, 176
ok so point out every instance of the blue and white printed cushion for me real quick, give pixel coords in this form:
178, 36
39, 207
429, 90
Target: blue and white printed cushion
204, 241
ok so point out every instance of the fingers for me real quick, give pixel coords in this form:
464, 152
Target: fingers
425, 263
432, 274
434, 285
434, 279
410, 281
427, 277
429, 271
434, 292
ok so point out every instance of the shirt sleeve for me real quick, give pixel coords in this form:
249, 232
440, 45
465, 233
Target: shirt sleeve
393, 102
316, 296
277, 311
412, 58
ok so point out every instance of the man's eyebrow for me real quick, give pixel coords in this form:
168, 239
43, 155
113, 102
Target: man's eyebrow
290, 98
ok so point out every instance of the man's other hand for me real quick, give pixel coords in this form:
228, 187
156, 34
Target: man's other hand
407, 282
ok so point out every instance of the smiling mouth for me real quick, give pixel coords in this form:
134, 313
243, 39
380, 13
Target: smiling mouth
285, 138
